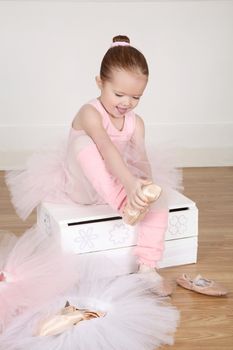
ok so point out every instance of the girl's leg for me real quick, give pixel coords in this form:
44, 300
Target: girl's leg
85, 162
89, 177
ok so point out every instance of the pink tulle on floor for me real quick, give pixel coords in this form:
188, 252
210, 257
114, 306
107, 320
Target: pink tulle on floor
134, 317
32, 270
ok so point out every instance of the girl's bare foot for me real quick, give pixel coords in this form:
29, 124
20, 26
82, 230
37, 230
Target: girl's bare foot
162, 286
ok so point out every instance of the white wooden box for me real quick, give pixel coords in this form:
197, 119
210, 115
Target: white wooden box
98, 230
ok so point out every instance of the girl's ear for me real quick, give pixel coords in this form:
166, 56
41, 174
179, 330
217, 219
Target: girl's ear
99, 82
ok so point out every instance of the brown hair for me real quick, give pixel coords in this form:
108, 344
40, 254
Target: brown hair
122, 57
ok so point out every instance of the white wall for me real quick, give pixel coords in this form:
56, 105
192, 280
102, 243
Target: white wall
50, 52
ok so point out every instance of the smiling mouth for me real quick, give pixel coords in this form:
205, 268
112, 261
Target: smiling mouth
122, 110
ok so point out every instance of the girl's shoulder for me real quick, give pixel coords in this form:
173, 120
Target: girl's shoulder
139, 121
85, 115
139, 130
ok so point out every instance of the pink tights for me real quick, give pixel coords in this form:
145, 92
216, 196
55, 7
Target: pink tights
90, 182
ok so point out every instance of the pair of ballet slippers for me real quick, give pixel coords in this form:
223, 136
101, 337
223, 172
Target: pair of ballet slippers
201, 285
132, 216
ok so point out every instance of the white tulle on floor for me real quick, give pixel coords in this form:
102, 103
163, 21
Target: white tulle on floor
134, 317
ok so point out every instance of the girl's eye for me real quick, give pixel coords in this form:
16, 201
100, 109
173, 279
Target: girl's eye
118, 95
137, 98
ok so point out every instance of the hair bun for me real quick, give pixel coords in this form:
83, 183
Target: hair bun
121, 38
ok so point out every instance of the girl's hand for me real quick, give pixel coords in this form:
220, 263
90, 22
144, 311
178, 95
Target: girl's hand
135, 196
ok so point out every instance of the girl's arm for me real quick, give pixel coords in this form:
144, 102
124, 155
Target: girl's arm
90, 120
138, 140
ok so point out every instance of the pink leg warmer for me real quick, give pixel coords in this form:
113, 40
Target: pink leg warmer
108, 187
151, 230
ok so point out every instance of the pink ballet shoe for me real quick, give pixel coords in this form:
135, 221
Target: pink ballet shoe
201, 285
162, 287
132, 216
68, 317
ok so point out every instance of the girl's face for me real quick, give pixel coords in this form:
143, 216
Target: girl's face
122, 93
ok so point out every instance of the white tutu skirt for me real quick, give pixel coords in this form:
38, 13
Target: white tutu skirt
134, 318
32, 270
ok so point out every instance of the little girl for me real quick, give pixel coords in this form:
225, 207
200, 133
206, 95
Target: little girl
106, 160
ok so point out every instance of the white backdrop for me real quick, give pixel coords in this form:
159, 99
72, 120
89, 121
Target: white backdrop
50, 53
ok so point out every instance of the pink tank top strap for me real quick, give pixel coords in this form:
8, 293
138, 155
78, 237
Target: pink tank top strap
96, 103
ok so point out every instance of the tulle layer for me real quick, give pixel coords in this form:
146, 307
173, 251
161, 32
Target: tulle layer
43, 178
46, 176
134, 317
155, 162
33, 269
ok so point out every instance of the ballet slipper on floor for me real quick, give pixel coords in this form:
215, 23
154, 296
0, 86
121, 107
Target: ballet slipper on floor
162, 286
65, 319
201, 285
132, 216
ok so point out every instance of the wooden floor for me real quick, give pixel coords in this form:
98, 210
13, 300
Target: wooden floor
206, 322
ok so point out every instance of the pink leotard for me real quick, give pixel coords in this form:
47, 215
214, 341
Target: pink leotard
120, 138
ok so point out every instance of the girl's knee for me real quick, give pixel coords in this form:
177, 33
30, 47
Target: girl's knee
75, 149
82, 142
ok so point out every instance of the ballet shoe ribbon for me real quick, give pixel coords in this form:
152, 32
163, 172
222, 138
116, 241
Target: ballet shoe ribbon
68, 317
7, 277
2, 277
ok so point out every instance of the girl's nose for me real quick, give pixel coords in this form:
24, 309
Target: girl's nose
127, 102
